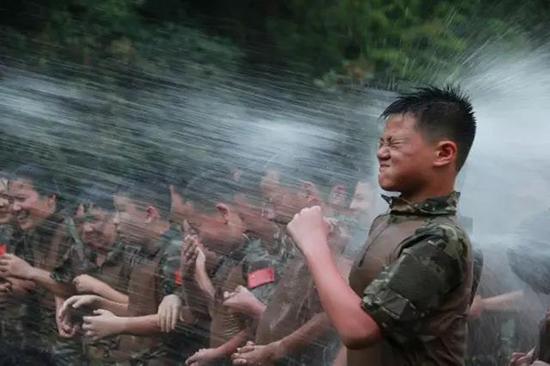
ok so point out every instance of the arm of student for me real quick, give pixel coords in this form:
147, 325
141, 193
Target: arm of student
355, 326
20, 288
104, 323
506, 302
43, 278
95, 302
202, 279
88, 284
430, 266
12, 265
303, 336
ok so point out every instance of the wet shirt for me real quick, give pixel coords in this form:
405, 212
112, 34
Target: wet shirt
114, 271
43, 247
264, 264
225, 324
152, 278
415, 280
260, 270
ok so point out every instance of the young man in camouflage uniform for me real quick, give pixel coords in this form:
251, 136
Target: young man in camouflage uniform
251, 279
12, 290
410, 290
101, 266
142, 211
44, 241
292, 329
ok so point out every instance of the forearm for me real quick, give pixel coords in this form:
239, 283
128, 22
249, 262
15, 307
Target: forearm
104, 290
230, 347
257, 309
342, 305
117, 308
141, 325
205, 285
303, 336
509, 301
43, 278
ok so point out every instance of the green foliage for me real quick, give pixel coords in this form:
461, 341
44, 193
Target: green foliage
388, 41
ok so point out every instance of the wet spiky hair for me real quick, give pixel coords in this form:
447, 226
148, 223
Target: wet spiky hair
440, 113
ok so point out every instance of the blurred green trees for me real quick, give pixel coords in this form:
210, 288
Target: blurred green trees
336, 41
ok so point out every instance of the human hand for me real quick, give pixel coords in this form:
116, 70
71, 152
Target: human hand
76, 302
476, 309
203, 357
310, 230
11, 265
168, 312
254, 355
86, 284
240, 301
102, 324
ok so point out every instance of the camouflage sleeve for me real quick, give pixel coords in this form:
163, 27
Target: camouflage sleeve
170, 267
431, 265
64, 272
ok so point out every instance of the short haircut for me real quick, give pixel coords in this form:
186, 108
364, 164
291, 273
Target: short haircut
150, 192
98, 197
42, 179
206, 190
444, 113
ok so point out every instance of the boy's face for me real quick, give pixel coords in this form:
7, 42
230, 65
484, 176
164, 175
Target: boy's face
405, 157
28, 206
5, 206
131, 220
338, 196
97, 228
220, 231
361, 198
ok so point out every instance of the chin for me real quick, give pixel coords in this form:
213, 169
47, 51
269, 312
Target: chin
5, 219
25, 225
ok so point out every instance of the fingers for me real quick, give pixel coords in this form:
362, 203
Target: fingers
249, 347
192, 359
239, 361
161, 314
66, 305
80, 301
173, 317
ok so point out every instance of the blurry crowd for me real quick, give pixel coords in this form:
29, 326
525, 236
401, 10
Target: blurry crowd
194, 272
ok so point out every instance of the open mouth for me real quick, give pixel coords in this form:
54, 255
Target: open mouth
22, 216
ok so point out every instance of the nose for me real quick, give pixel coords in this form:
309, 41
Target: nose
87, 227
383, 153
116, 219
16, 207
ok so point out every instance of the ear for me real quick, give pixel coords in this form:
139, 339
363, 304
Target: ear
224, 210
80, 210
52, 201
312, 193
445, 152
153, 214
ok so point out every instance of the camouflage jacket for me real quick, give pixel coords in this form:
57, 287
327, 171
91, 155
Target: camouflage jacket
415, 278
114, 271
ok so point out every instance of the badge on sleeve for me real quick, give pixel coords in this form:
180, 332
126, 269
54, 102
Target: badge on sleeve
178, 278
3, 249
261, 277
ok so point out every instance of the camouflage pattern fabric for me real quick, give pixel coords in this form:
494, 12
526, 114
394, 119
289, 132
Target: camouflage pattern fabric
414, 274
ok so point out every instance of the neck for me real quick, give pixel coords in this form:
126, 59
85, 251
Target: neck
436, 188
157, 231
